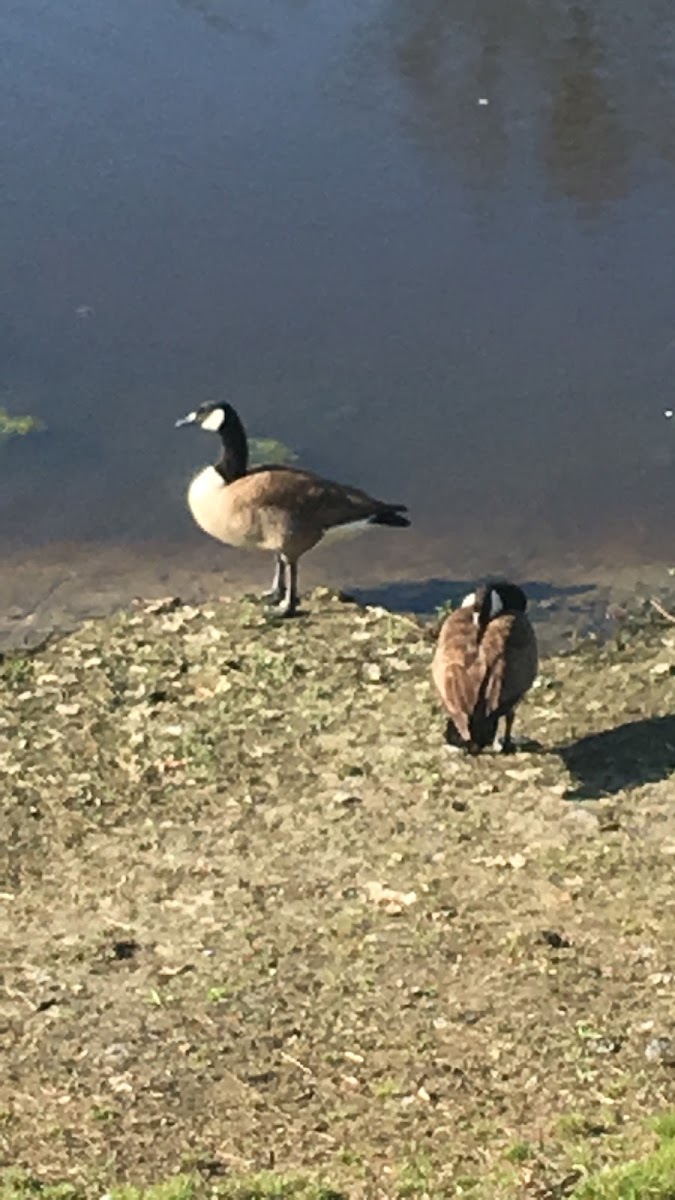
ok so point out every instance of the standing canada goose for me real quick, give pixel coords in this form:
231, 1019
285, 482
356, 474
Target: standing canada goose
485, 662
277, 508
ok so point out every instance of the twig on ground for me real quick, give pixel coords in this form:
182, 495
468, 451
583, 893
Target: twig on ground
296, 1063
663, 612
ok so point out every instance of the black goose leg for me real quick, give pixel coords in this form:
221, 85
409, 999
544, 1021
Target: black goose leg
278, 588
453, 739
508, 744
289, 604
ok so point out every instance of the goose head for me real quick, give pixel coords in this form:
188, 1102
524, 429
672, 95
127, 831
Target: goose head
494, 598
214, 418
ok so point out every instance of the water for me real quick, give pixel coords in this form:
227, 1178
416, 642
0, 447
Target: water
306, 208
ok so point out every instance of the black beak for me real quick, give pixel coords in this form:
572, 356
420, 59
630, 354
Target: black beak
189, 420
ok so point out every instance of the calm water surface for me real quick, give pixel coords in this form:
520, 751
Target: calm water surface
309, 208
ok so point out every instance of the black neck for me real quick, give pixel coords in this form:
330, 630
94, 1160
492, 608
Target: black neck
233, 461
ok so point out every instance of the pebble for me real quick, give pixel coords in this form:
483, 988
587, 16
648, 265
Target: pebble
660, 1050
557, 941
372, 672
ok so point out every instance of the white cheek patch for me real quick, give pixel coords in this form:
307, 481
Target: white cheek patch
213, 422
496, 605
469, 601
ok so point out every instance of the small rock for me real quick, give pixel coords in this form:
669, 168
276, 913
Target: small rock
606, 1045
44, 1005
469, 1017
393, 902
117, 1050
353, 1057
660, 1050
523, 774
164, 604
372, 672
346, 799
658, 978
557, 941
122, 950
351, 1082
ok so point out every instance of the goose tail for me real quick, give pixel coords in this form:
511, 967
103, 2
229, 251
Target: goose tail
392, 516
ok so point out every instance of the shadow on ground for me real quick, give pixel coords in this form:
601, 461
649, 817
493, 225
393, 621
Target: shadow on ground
633, 754
560, 613
426, 595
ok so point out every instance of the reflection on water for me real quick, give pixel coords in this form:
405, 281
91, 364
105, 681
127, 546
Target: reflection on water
586, 147
422, 243
574, 78
220, 17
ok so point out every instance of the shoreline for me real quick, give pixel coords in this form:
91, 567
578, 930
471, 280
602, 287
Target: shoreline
53, 589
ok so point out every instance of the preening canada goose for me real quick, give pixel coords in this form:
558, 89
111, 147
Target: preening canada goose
278, 508
485, 662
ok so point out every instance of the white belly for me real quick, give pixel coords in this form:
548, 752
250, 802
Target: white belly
342, 532
208, 503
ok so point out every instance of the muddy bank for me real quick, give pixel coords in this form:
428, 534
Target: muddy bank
53, 589
254, 912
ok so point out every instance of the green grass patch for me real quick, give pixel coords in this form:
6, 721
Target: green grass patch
664, 1126
519, 1152
183, 1187
20, 1185
268, 1185
261, 1185
415, 1177
649, 1178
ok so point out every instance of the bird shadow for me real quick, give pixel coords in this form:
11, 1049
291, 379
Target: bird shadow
633, 754
424, 596
561, 613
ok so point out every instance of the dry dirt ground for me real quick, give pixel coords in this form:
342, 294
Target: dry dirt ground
255, 916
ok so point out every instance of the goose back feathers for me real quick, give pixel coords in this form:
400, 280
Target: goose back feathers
485, 662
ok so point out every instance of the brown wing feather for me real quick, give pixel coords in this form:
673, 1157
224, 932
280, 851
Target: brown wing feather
510, 649
458, 668
309, 496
